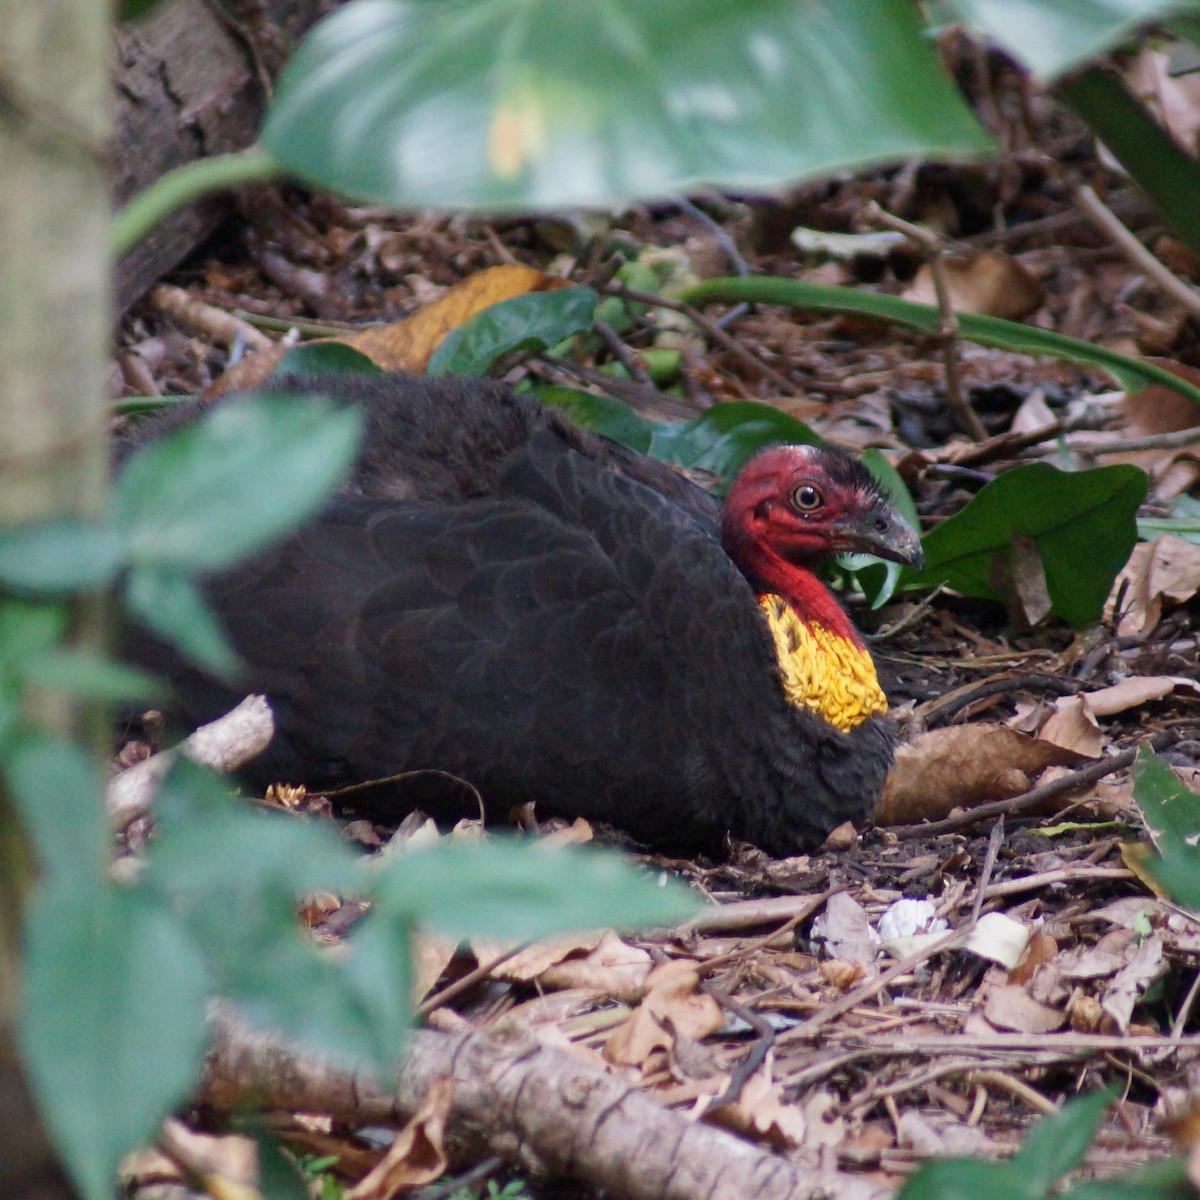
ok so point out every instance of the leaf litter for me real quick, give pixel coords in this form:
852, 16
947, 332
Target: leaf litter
1069, 972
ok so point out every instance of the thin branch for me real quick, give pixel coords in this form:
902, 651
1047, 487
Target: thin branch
1107, 222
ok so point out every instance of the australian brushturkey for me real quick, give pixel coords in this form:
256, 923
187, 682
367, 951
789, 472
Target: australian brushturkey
500, 598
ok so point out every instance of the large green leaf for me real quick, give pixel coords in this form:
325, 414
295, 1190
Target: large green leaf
1172, 813
1131, 373
1083, 525
506, 888
534, 104
1055, 1145
113, 1020
227, 484
534, 321
61, 556
234, 876
1049, 36
168, 603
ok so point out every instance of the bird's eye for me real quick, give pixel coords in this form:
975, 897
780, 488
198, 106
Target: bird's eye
806, 497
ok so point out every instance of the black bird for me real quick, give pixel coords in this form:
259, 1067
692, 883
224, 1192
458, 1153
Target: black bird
502, 600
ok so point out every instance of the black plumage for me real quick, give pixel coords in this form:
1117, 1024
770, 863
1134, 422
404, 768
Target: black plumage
500, 598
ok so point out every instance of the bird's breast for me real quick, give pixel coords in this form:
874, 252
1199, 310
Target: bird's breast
823, 670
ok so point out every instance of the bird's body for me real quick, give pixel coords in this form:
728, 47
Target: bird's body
500, 605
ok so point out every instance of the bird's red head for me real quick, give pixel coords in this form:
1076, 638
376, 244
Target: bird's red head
791, 505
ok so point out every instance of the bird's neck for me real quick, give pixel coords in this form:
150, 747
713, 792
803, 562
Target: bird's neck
824, 665
812, 601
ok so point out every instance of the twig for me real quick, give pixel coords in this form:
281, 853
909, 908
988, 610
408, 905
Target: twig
758, 1052
207, 318
1106, 221
714, 331
1035, 796
995, 838
929, 242
452, 990
608, 335
744, 914
717, 230
1152, 441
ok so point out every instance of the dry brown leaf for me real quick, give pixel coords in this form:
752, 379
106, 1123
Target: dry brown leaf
1013, 1008
409, 344
613, 968
845, 931
1145, 965
1158, 576
1073, 726
963, 766
760, 1112
432, 954
526, 965
1173, 97
673, 1002
990, 282
417, 1155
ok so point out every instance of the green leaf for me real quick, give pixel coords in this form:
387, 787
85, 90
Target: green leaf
239, 477
537, 104
602, 414
1165, 1180
113, 1022
1082, 523
506, 888
1058, 1142
964, 1179
1131, 373
1050, 36
28, 629
1172, 813
170, 605
60, 556
530, 322
325, 358
725, 437
59, 793
1054, 1146
91, 678
235, 876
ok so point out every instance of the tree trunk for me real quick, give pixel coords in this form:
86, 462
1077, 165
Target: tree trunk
192, 81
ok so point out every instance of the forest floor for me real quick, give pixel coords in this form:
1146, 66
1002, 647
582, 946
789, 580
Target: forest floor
850, 1054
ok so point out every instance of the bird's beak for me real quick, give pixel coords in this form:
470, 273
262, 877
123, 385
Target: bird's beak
886, 534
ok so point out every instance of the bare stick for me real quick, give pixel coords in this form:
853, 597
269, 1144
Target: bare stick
931, 246
1106, 221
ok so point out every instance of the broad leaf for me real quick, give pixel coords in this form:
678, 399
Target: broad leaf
325, 358
87, 677
532, 322
28, 630
60, 556
1050, 36
1165, 1180
1172, 813
168, 603
505, 888
602, 414
1082, 523
60, 796
1058, 1142
113, 1020
536, 104
209, 494
235, 877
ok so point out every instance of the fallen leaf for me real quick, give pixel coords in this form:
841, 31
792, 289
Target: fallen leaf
963, 766
673, 1002
1013, 1008
1130, 983
990, 282
760, 1112
844, 929
1000, 938
1073, 726
417, 1155
1158, 576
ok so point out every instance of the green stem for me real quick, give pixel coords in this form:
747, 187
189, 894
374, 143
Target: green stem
1132, 373
187, 183
1161, 169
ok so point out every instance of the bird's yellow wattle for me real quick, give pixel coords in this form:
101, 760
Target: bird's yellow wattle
822, 670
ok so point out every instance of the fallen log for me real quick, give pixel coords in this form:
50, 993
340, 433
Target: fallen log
191, 81
539, 1108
